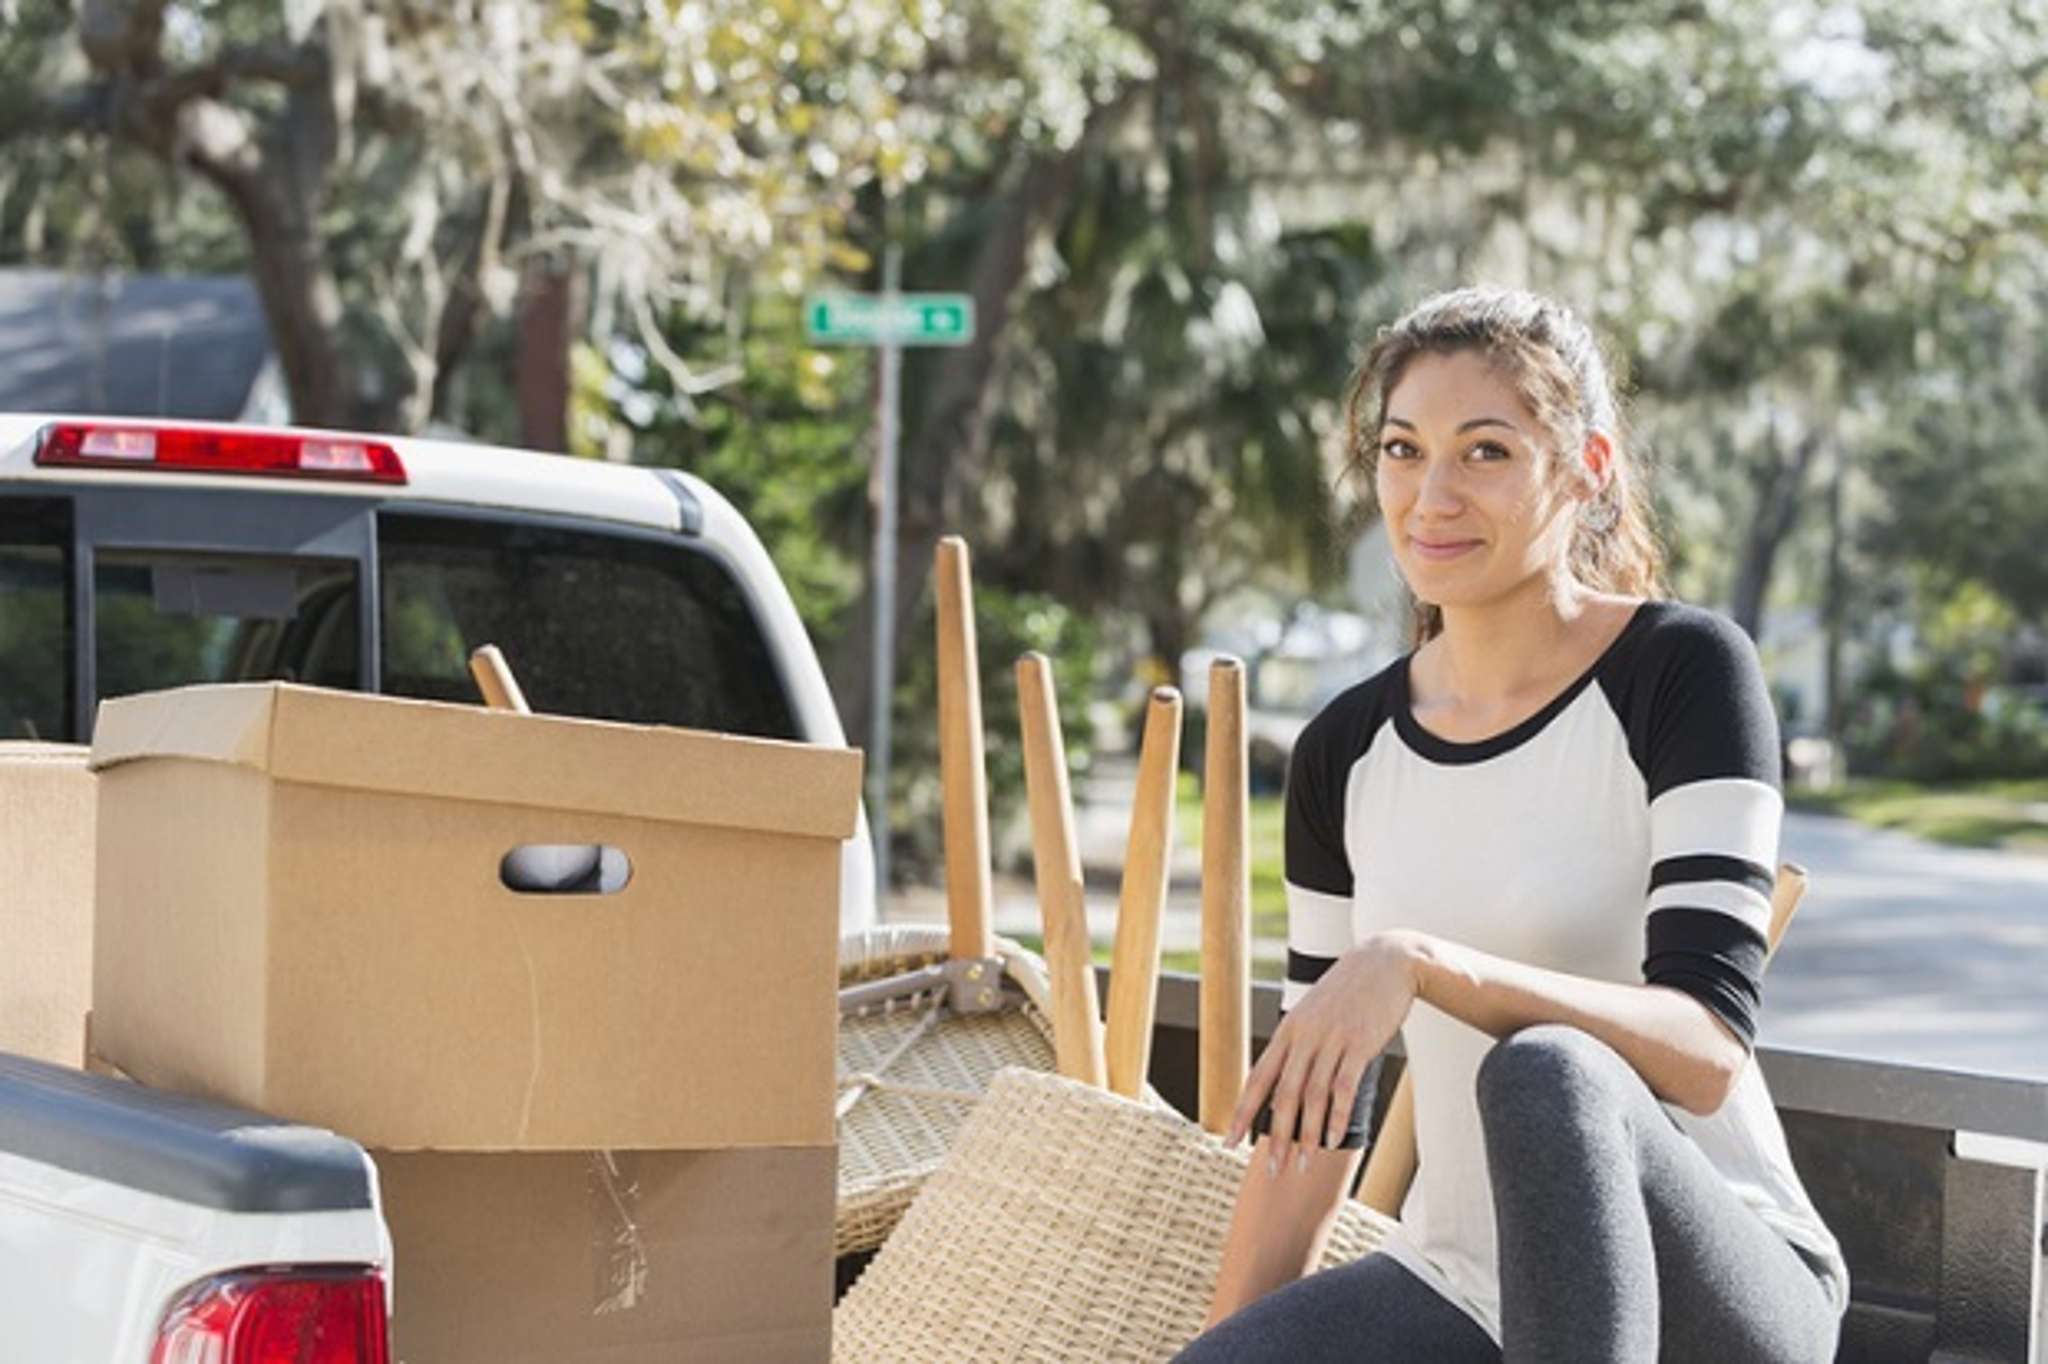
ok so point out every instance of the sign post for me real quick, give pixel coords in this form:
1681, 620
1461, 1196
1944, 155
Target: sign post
890, 320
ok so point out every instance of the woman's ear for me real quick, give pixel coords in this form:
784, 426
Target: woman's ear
1596, 464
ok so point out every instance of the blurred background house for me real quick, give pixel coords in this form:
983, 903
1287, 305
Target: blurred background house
191, 346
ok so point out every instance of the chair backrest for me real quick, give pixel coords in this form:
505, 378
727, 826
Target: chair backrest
1391, 1164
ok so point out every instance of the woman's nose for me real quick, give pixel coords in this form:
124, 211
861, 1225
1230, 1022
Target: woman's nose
1438, 492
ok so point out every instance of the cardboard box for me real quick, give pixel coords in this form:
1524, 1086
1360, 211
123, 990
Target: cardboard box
646, 1257
301, 911
46, 875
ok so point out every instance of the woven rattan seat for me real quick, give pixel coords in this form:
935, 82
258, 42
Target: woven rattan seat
1067, 1224
910, 1072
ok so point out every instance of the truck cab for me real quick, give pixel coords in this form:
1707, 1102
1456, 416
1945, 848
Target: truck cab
140, 555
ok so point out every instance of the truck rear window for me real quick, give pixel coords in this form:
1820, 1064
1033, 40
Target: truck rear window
35, 618
605, 626
170, 619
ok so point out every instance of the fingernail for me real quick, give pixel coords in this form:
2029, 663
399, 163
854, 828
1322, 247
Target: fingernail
1272, 1167
1301, 1163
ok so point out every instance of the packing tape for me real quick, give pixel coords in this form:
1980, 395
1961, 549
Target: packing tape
619, 1258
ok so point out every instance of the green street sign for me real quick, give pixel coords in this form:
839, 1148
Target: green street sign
878, 320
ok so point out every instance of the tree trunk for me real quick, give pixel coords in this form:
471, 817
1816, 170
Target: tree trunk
546, 326
1780, 491
300, 302
274, 190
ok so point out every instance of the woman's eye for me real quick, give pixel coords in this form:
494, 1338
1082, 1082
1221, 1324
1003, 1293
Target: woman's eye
1397, 449
1490, 450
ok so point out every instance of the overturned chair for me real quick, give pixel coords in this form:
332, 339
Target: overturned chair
1073, 1222
929, 1015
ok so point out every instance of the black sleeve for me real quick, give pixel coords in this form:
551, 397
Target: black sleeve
1314, 857
1706, 739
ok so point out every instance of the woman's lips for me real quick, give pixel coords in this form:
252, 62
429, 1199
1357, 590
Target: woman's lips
1440, 549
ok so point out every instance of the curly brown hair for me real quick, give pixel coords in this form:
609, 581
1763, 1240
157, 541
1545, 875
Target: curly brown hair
1556, 364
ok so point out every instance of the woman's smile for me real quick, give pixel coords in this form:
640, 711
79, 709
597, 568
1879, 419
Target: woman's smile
1437, 551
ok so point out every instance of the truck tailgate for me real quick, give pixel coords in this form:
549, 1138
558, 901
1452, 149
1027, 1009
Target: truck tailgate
114, 1197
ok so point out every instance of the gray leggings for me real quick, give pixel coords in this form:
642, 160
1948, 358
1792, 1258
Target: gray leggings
1618, 1242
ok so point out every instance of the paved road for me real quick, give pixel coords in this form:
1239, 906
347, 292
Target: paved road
1903, 951
1911, 951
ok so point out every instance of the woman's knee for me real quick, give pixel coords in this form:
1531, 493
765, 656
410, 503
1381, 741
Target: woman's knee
1549, 1069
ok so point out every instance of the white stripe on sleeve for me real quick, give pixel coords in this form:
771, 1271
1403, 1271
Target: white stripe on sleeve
1728, 816
1738, 902
1318, 925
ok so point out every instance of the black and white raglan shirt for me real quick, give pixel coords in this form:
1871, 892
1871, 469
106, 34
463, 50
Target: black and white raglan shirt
1626, 832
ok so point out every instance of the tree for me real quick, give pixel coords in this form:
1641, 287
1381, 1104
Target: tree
1785, 331
1229, 104
393, 167
1962, 469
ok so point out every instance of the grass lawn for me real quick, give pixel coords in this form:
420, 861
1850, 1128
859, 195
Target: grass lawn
1269, 898
1995, 814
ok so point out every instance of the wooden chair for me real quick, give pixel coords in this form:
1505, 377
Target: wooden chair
1390, 1165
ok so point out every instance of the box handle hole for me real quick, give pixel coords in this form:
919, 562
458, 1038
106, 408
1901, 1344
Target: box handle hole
565, 869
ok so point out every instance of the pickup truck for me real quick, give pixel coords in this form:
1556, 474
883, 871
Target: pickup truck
142, 1227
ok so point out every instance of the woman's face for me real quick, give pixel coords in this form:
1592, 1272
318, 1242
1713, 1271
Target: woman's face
1466, 481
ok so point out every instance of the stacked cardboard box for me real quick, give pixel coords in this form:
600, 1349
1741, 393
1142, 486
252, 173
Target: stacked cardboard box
46, 862
603, 1119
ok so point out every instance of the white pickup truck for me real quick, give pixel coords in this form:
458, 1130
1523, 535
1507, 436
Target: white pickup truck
143, 1228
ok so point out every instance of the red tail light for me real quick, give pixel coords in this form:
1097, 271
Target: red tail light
218, 450
278, 1317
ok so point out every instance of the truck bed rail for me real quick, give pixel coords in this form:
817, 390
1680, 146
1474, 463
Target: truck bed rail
181, 1148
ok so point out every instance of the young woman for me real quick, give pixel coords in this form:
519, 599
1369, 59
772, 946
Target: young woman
1541, 847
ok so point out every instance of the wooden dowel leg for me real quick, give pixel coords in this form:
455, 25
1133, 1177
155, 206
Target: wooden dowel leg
1391, 1167
1225, 1039
1148, 867
970, 906
1077, 1022
1786, 893
501, 690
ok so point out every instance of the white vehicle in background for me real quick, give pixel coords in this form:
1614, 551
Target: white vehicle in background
138, 1227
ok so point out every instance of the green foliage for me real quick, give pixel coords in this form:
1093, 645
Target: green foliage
1966, 495
1932, 723
788, 445
1815, 226
1971, 814
34, 639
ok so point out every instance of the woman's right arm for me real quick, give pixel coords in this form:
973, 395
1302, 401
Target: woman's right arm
1280, 1224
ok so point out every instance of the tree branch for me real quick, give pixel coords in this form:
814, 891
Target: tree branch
273, 64
69, 109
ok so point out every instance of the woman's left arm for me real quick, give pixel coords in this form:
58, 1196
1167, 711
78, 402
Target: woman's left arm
1683, 1051
1310, 1072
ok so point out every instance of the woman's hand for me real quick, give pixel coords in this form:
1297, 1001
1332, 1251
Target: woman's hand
1311, 1069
